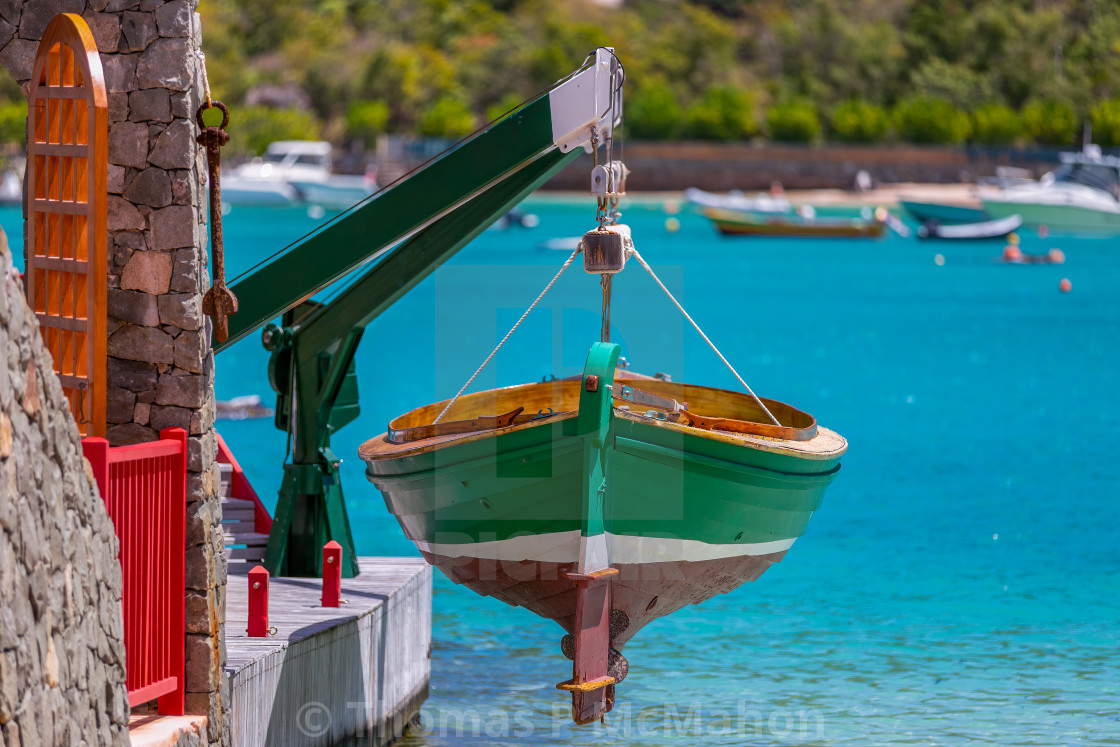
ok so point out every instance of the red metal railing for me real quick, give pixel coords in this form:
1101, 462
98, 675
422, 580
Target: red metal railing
241, 489
145, 487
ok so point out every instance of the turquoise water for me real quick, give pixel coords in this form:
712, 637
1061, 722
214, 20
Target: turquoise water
960, 584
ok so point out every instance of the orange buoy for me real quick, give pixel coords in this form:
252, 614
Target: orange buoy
1065, 286
671, 207
1012, 253
1056, 256
1043, 231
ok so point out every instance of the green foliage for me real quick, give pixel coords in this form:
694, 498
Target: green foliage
1106, 122
365, 120
257, 126
695, 68
447, 117
995, 124
857, 121
725, 113
794, 121
919, 119
1050, 122
956, 83
565, 44
13, 123
653, 112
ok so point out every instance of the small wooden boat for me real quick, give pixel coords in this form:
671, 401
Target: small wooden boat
603, 501
737, 223
989, 229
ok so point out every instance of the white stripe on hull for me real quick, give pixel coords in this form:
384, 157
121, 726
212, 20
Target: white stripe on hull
594, 555
599, 551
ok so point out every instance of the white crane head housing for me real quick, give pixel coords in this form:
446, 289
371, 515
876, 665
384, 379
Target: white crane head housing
592, 98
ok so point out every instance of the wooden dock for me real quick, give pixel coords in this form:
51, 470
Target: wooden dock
349, 675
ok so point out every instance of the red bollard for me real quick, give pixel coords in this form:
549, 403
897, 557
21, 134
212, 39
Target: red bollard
258, 603
332, 574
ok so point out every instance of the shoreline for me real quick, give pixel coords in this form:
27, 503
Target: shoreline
886, 194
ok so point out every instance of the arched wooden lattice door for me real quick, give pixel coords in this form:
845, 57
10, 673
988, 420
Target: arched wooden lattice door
66, 212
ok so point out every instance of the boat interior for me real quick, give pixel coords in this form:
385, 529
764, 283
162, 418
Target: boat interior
704, 411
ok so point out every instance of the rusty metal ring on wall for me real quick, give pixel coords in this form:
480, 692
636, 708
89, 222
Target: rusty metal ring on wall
213, 105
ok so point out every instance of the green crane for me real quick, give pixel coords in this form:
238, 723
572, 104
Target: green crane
407, 231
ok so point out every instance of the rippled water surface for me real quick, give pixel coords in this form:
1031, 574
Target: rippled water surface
961, 582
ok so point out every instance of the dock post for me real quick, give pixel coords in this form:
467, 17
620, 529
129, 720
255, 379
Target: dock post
332, 574
258, 603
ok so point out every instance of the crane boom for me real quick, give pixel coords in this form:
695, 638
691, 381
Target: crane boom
406, 231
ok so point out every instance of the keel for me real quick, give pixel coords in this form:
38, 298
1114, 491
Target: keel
591, 685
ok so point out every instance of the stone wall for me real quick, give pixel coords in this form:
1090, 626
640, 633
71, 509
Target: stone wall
61, 651
160, 367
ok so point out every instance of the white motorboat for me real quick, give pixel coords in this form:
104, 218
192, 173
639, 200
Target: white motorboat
736, 200
11, 188
292, 172
1081, 195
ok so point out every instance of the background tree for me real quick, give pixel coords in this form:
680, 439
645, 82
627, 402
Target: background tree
1050, 122
794, 121
857, 121
996, 124
693, 66
927, 120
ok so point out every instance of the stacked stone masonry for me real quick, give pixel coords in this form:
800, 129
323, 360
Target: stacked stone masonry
160, 367
61, 652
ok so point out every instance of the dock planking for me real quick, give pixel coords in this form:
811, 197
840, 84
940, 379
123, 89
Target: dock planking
354, 674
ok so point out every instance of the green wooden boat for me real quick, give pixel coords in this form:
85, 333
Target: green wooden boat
557, 497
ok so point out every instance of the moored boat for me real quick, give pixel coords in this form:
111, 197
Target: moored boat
945, 213
292, 172
775, 203
988, 229
1081, 195
737, 223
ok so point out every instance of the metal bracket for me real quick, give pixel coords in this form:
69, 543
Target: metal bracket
638, 397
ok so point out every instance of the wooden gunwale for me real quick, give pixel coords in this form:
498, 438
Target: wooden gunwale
798, 433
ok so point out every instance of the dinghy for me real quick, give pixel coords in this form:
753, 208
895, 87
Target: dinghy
988, 229
606, 500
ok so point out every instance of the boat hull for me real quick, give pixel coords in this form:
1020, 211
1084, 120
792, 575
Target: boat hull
596, 516
943, 213
643, 591
684, 516
1071, 218
244, 192
335, 193
989, 229
730, 223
